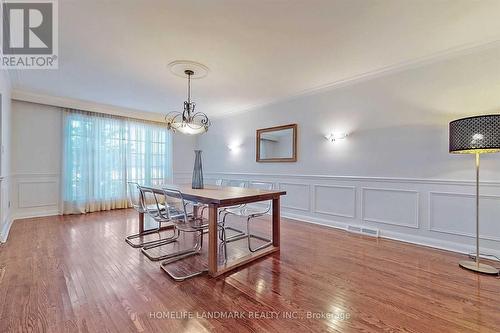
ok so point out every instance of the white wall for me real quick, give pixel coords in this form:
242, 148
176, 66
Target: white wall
5, 153
394, 171
36, 158
183, 151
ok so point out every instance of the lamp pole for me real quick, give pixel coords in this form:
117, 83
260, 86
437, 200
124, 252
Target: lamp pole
477, 210
476, 135
476, 265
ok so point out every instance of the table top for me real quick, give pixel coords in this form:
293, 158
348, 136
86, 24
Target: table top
222, 196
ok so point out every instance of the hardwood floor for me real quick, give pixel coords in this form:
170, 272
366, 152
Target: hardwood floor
76, 273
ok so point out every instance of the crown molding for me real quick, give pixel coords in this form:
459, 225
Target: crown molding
72, 103
370, 75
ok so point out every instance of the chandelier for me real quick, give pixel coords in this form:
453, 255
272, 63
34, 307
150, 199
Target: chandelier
188, 121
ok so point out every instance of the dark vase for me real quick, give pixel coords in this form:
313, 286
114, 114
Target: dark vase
197, 182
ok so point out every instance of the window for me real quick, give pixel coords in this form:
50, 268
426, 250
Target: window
101, 153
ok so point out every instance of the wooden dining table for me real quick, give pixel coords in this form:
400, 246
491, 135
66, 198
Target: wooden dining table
216, 197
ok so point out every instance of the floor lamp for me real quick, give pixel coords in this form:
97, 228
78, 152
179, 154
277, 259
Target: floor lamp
476, 135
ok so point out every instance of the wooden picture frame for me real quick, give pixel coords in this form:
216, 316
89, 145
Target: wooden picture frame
259, 132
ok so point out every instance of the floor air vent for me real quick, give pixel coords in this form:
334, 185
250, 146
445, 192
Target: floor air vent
363, 230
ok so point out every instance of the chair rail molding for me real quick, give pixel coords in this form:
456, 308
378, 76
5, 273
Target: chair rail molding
355, 178
35, 174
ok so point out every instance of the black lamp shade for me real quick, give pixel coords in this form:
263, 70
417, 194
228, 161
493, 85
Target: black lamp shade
473, 135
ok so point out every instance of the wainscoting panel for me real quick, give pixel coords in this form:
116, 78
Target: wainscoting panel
29, 193
335, 200
297, 197
390, 206
455, 213
35, 195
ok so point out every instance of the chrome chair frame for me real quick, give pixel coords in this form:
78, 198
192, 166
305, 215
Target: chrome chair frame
159, 215
185, 223
249, 214
139, 207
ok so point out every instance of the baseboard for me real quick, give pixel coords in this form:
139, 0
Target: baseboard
402, 237
27, 215
437, 243
4, 233
315, 220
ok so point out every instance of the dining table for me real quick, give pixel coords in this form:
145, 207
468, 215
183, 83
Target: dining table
217, 197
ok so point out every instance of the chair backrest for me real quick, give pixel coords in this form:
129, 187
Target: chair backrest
267, 186
261, 185
175, 205
150, 203
134, 196
235, 183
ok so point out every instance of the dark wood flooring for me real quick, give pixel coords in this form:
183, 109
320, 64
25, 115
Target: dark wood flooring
77, 274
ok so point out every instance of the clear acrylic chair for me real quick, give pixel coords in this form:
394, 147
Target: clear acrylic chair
135, 198
227, 183
250, 211
153, 205
224, 211
183, 222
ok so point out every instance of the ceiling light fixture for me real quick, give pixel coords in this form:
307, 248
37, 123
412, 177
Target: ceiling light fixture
188, 121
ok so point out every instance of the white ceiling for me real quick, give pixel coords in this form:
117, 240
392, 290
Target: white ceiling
116, 52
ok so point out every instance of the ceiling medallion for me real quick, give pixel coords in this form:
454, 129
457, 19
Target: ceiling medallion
188, 121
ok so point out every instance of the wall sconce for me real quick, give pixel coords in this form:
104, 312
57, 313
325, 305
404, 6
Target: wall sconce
234, 147
333, 137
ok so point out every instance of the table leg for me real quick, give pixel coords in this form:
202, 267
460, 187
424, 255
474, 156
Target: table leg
276, 222
141, 223
196, 211
212, 240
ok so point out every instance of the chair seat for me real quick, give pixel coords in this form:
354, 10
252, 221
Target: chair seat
151, 208
191, 225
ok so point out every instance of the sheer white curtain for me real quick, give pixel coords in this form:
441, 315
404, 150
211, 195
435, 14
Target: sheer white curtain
102, 152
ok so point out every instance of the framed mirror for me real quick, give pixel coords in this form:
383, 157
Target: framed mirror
277, 144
